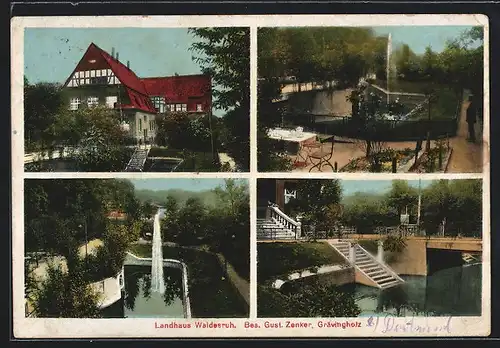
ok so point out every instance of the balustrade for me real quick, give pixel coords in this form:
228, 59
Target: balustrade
276, 214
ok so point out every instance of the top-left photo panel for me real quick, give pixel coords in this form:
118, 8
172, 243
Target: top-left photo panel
136, 99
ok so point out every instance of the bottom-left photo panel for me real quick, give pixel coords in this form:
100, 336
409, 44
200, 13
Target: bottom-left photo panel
137, 248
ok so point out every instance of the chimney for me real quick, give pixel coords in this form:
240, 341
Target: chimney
113, 52
116, 55
128, 64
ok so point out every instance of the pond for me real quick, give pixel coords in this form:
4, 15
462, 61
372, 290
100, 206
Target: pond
139, 302
162, 164
454, 291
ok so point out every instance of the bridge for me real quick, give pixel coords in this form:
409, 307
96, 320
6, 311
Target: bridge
464, 244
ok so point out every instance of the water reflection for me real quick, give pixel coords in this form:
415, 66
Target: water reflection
453, 291
139, 301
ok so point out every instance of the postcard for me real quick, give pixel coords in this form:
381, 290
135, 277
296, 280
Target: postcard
251, 176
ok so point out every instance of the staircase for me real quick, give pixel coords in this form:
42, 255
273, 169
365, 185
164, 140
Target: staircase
381, 275
470, 258
138, 159
272, 229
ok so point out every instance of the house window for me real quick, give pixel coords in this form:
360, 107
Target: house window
92, 101
177, 107
159, 103
74, 103
102, 80
184, 107
111, 100
140, 125
199, 107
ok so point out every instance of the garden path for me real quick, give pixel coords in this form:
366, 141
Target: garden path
467, 157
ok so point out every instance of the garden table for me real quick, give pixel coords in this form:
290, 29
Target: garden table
294, 136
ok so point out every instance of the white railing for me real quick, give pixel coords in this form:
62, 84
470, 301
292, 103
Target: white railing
287, 222
403, 230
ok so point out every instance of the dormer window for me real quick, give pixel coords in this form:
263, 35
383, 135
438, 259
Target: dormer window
158, 103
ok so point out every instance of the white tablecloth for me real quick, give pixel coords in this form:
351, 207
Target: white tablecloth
290, 135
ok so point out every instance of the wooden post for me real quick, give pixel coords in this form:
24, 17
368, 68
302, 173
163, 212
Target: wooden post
380, 251
440, 157
394, 164
335, 165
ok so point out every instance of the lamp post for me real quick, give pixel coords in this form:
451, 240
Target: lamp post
86, 236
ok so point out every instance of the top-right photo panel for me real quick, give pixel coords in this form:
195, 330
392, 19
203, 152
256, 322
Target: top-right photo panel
393, 99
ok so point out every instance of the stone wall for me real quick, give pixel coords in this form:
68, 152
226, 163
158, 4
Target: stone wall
411, 261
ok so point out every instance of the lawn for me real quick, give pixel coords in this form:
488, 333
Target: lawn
277, 259
211, 294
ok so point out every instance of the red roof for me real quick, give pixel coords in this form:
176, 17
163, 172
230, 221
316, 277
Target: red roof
97, 58
179, 89
175, 89
117, 215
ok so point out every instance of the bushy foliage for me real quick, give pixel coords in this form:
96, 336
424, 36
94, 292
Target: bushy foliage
224, 227
313, 300
66, 295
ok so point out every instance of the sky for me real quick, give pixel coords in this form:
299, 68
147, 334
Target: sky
374, 186
51, 54
419, 37
182, 184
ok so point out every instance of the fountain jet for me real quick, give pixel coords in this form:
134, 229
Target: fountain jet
388, 64
157, 282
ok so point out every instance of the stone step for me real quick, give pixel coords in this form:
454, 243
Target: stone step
377, 271
365, 263
384, 280
391, 284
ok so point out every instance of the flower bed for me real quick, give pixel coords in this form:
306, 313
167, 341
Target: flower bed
431, 162
383, 163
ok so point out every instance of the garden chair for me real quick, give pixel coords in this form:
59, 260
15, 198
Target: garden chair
308, 147
324, 154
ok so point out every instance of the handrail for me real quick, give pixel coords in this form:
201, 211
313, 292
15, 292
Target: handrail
284, 216
277, 215
382, 263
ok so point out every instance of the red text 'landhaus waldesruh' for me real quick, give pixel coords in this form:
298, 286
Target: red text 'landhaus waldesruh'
101, 79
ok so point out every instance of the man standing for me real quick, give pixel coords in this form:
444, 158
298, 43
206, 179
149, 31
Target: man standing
471, 119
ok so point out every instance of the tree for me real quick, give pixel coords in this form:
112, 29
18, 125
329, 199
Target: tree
190, 219
230, 222
435, 205
315, 200
170, 223
224, 54
401, 196
66, 295
42, 104
367, 211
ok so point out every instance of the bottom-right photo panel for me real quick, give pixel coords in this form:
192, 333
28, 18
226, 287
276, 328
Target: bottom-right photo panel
358, 248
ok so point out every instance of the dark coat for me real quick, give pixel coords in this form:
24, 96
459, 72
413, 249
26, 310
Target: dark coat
471, 113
